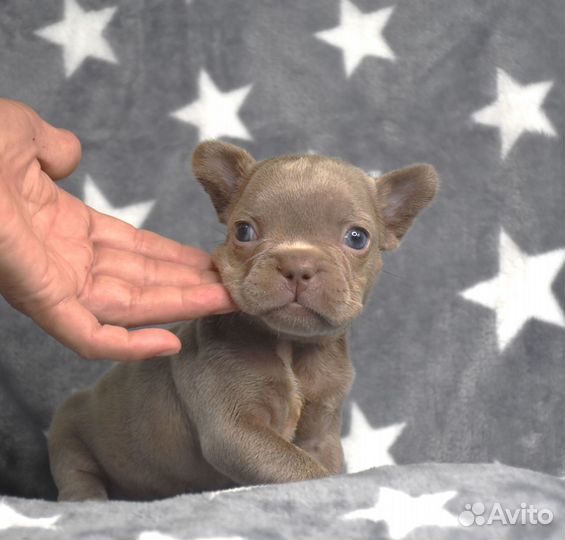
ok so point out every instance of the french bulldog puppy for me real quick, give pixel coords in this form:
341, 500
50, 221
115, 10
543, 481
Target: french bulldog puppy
255, 396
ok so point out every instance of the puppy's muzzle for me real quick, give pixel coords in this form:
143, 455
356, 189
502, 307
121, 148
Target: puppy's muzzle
300, 271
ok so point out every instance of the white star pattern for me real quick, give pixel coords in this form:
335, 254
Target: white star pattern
211, 495
521, 291
403, 513
154, 535
366, 447
215, 113
359, 35
80, 35
517, 110
10, 518
134, 214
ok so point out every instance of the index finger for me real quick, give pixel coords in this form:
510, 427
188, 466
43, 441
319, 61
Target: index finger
108, 231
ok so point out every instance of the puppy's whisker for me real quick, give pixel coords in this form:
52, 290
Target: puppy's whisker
392, 274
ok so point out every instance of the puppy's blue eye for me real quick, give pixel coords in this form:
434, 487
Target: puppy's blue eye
245, 232
357, 238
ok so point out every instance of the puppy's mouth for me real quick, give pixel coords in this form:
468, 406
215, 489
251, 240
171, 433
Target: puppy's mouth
296, 309
295, 317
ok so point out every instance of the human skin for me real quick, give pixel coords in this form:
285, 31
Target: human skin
85, 277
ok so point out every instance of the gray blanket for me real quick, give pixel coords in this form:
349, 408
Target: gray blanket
429, 501
459, 354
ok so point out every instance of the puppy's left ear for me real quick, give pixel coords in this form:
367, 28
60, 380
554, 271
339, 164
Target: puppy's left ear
221, 169
402, 194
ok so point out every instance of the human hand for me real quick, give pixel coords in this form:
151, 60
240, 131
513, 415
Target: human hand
82, 276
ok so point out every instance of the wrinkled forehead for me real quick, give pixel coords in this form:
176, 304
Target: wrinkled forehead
306, 190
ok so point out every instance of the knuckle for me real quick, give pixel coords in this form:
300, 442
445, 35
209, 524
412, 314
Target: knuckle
87, 352
72, 142
138, 240
75, 141
135, 299
92, 348
149, 270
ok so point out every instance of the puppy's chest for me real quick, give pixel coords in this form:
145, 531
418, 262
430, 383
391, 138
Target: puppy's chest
299, 389
293, 393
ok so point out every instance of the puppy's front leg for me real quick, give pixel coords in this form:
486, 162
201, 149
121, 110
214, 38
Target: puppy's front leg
250, 453
319, 434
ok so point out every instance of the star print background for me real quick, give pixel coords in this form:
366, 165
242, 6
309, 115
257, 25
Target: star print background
473, 87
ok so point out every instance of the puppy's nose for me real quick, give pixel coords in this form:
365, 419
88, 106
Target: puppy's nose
298, 269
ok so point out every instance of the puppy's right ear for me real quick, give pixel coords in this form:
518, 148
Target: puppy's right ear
221, 168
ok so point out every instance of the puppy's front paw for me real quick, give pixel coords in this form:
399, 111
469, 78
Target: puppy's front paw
80, 495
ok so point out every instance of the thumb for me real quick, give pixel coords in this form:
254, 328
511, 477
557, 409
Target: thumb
59, 150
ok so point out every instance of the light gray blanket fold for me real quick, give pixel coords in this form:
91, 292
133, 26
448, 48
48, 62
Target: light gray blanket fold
426, 501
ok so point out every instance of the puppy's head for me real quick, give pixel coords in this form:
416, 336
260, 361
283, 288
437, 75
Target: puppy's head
305, 233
